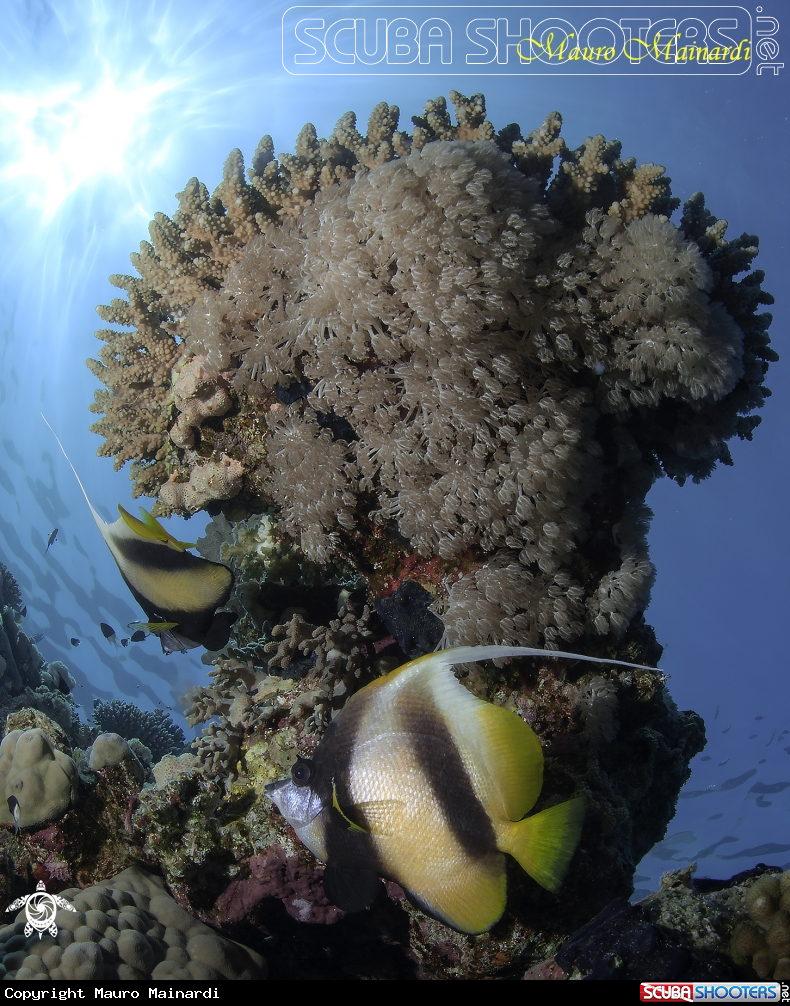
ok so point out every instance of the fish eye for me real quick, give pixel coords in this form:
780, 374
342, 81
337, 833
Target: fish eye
302, 772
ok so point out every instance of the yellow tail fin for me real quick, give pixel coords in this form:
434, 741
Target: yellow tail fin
545, 843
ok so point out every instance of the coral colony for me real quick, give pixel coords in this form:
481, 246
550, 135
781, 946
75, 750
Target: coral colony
422, 383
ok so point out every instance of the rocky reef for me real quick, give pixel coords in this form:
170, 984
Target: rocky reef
692, 929
422, 382
27, 680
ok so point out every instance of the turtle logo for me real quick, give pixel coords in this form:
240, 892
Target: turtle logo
40, 910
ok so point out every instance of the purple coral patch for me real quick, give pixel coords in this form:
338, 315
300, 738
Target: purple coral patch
276, 875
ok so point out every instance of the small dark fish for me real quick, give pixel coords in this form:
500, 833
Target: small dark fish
706, 758
138, 636
60, 682
716, 716
108, 632
51, 540
723, 763
13, 806
23, 611
727, 729
74, 641
759, 717
751, 737
38, 637
125, 642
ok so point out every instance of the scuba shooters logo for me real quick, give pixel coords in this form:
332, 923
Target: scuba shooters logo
766, 991
524, 40
40, 910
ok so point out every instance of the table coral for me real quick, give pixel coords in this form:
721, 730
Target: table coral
487, 346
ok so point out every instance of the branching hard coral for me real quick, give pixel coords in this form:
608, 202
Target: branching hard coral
236, 695
339, 647
156, 730
218, 749
243, 711
478, 349
244, 697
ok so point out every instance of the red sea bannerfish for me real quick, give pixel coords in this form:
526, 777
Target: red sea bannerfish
419, 781
178, 591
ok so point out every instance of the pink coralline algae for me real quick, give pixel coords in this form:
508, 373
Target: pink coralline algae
277, 875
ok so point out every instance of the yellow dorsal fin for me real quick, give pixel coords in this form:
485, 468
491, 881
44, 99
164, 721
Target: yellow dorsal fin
513, 756
150, 521
346, 818
544, 844
150, 528
155, 533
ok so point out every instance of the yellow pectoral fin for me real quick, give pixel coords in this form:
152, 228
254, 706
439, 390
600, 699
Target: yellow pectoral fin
346, 818
544, 844
380, 817
153, 626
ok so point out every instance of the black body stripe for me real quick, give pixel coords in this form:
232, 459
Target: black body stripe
193, 625
352, 854
446, 775
154, 556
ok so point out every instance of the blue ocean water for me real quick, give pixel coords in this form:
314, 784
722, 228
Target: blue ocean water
107, 109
